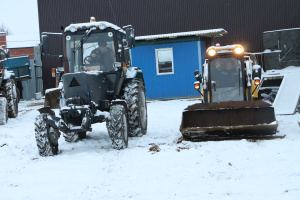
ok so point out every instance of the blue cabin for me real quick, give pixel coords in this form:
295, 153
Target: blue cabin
168, 61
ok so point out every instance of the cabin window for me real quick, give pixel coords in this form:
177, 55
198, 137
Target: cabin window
164, 61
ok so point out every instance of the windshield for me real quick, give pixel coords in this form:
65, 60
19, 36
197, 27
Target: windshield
226, 80
96, 54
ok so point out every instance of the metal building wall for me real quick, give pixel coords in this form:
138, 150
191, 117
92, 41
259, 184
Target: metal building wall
186, 59
29, 86
244, 20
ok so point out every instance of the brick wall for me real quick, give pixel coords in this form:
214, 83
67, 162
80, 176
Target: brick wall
2, 39
19, 52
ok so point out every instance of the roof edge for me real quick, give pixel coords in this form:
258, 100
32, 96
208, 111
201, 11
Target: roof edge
208, 33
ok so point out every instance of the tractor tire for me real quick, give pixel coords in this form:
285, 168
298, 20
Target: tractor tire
46, 137
82, 135
71, 137
12, 98
74, 136
135, 97
117, 127
3, 111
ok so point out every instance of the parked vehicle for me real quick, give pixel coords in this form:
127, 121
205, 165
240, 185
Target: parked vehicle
100, 86
228, 87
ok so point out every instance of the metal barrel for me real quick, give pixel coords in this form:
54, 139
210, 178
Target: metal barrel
233, 118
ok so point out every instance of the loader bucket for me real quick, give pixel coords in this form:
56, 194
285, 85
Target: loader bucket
233, 119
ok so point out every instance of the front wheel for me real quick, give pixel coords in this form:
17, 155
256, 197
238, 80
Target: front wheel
135, 97
74, 136
46, 136
12, 98
117, 127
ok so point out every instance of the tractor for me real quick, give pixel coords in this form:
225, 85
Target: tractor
100, 86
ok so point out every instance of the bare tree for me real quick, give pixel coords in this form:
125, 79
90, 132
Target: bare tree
5, 29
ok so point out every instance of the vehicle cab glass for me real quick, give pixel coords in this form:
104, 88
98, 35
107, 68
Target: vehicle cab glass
226, 79
93, 52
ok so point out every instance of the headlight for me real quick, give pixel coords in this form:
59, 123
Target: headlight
73, 29
212, 52
102, 26
238, 50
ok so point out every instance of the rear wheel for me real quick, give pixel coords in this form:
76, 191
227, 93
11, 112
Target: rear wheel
3, 111
46, 137
135, 97
117, 127
12, 98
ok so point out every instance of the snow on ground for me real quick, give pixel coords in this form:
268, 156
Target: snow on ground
91, 169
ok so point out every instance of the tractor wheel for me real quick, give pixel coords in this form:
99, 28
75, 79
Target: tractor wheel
117, 127
46, 137
71, 137
82, 135
12, 98
3, 111
74, 136
135, 97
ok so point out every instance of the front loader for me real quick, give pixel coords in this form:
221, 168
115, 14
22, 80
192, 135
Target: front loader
229, 89
100, 86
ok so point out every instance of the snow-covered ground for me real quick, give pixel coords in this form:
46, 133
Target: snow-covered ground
91, 169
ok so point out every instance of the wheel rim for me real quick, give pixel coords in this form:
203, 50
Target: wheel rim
142, 110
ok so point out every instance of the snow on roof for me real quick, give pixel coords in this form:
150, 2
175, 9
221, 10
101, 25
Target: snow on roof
290, 29
22, 41
209, 33
92, 23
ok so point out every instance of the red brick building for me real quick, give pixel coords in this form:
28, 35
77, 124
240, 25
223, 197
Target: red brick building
19, 47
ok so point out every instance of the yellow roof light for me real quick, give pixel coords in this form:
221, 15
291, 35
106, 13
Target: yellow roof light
212, 52
92, 19
238, 50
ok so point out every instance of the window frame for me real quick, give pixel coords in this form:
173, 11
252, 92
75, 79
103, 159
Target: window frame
156, 61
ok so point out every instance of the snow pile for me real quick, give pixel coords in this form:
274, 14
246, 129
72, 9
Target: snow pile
154, 166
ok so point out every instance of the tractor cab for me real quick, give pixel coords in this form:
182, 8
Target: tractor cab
228, 74
225, 68
101, 49
97, 46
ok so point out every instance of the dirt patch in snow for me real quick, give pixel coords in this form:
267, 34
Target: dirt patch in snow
154, 148
182, 148
35, 104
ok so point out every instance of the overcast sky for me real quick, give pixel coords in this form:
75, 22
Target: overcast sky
21, 17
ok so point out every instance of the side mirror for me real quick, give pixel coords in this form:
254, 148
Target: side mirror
198, 76
60, 60
45, 45
130, 37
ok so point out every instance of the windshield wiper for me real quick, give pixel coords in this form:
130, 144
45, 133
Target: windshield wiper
84, 38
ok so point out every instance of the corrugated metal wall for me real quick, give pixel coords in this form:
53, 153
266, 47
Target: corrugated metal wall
186, 58
243, 19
